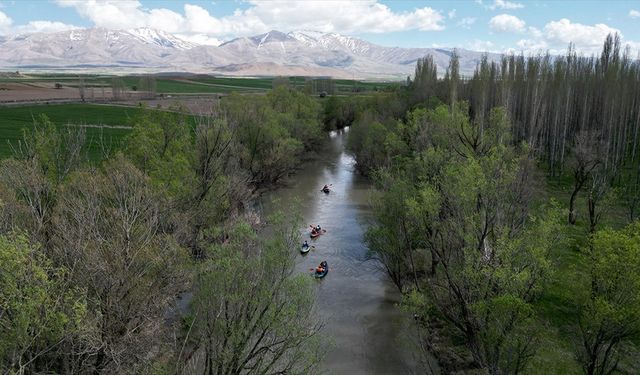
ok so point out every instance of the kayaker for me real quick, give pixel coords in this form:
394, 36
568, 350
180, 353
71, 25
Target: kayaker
305, 244
318, 228
326, 187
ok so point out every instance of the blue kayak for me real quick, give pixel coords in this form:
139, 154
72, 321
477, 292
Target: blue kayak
320, 275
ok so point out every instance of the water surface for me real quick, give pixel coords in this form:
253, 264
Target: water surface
356, 300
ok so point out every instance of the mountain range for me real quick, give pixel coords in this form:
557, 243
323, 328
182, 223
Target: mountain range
309, 53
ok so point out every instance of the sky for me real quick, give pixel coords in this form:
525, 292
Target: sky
482, 25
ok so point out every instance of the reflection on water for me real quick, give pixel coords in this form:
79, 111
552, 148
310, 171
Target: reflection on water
356, 301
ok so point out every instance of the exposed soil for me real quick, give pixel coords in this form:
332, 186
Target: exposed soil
14, 92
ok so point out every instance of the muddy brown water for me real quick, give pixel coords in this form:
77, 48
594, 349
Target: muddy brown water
356, 301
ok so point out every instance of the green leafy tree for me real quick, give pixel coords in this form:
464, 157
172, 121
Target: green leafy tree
609, 316
39, 311
44, 157
161, 145
250, 315
460, 211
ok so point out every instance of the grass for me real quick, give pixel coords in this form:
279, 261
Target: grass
16, 119
558, 307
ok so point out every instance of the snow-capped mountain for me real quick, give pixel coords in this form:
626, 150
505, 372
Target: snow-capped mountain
271, 53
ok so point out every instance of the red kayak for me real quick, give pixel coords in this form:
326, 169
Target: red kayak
315, 234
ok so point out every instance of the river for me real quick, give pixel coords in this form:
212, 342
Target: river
356, 301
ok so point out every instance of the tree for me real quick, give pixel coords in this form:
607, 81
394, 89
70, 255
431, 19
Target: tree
463, 206
81, 88
117, 88
147, 85
56, 151
425, 79
609, 313
108, 233
39, 312
631, 193
391, 239
453, 79
600, 197
585, 160
273, 132
280, 81
43, 159
249, 314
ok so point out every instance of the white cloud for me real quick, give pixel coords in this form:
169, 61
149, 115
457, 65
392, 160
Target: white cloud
42, 27
564, 31
634, 48
368, 16
452, 13
124, 14
532, 45
534, 32
556, 36
506, 23
347, 17
5, 23
503, 4
466, 22
634, 13
7, 27
481, 45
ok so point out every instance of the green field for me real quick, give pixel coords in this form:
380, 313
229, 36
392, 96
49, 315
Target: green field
197, 84
101, 120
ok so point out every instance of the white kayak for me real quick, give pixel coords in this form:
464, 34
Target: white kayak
305, 249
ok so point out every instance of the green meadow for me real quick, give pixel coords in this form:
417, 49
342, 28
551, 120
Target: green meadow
102, 121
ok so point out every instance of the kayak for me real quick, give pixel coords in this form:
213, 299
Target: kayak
321, 275
316, 234
305, 249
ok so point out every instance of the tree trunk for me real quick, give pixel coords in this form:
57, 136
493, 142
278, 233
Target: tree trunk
572, 203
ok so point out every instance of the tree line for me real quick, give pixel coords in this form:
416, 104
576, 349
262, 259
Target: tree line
463, 223
149, 260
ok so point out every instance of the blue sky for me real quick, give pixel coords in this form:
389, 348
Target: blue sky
493, 25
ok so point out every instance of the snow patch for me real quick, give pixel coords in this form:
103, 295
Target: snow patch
75, 35
159, 38
262, 40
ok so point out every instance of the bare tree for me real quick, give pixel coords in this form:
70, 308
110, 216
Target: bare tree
117, 88
586, 158
107, 234
148, 86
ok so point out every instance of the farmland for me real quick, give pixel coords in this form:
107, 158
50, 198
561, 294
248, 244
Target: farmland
111, 123
99, 87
